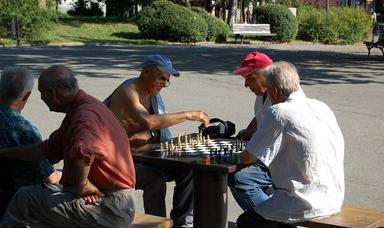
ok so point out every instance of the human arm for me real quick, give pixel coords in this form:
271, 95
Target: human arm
32, 152
247, 158
133, 113
248, 132
267, 141
86, 190
155, 122
54, 177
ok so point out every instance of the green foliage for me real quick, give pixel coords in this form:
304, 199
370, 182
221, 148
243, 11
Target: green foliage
168, 21
290, 3
33, 21
337, 26
218, 30
81, 8
282, 21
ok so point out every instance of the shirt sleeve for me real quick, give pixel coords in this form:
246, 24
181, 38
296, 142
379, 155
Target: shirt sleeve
85, 141
267, 140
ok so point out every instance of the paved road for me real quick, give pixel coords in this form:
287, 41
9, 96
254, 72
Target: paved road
342, 76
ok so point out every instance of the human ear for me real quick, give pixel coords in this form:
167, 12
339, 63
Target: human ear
26, 96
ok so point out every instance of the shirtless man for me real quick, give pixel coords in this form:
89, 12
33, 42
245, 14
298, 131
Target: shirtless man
141, 110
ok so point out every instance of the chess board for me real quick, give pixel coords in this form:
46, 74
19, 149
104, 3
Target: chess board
197, 145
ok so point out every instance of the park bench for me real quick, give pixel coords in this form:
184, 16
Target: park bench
348, 217
150, 221
240, 30
376, 44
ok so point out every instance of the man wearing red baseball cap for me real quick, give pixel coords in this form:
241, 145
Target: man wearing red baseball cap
252, 62
253, 69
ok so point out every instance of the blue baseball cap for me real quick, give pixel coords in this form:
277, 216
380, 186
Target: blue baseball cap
162, 62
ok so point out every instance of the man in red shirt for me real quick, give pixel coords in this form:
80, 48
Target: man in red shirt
98, 174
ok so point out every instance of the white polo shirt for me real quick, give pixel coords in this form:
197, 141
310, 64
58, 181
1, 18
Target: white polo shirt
261, 107
302, 145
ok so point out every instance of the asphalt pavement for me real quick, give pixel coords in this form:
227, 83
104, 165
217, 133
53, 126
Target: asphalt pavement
351, 83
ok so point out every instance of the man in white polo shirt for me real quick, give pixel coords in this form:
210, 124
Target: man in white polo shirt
252, 184
300, 142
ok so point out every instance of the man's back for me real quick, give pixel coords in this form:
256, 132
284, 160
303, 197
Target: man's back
306, 163
17, 131
14, 174
90, 130
312, 134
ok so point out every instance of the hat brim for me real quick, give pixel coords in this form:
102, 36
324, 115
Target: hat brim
170, 71
244, 70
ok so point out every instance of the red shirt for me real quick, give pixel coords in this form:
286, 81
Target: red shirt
92, 132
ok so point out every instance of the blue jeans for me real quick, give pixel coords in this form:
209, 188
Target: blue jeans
251, 186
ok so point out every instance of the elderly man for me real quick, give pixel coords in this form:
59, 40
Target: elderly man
138, 105
16, 84
300, 142
98, 174
253, 184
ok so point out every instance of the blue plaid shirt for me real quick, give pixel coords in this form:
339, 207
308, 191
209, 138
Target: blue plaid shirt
15, 130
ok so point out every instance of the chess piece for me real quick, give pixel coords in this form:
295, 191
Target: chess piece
186, 140
178, 140
172, 144
166, 145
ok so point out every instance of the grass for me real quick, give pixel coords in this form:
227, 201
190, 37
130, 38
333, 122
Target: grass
89, 30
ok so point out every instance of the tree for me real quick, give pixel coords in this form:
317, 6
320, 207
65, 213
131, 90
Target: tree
232, 12
124, 8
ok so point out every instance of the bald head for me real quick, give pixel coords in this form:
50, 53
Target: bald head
58, 88
58, 76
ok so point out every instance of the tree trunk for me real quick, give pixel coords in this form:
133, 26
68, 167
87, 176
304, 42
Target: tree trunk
243, 18
187, 3
232, 13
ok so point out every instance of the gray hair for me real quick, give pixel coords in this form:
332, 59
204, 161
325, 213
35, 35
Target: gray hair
284, 77
15, 82
263, 71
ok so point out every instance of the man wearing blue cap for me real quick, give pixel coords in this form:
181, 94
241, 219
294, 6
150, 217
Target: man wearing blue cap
141, 110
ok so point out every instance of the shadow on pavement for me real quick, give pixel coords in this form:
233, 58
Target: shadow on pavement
315, 66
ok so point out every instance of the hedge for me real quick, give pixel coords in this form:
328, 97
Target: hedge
218, 30
337, 26
168, 21
33, 20
281, 19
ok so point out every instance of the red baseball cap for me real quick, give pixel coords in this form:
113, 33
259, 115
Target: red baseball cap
254, 60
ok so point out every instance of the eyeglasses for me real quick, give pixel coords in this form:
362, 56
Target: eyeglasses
167, 83
163, 81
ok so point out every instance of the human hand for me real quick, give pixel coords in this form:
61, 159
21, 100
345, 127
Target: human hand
54, 178
243, 134
89, 193
247, 158
199, 116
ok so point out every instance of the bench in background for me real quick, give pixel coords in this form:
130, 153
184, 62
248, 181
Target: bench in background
150, 221
348, 217
240, 30
378, 30
378, 44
